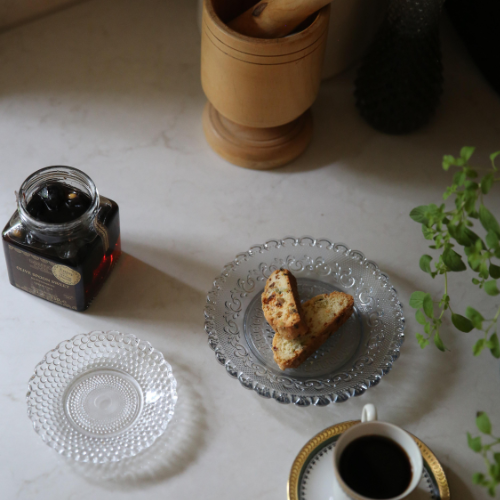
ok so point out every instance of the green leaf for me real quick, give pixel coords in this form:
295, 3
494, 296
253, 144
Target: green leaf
462, 234
492, 158
487, 182
494, 271
492, 239
496, 457
439, 342
419, 316
474, 443
470, 201
461, 323
473, 237
495, 472
459, 178
452, 260
417, 299
490, 287
495, 346
418, 214
471, 173
428, 305
448, 160
483, 423
466, 152
459, 233
478, 478
449, 191
445, 301
471, 185
422, 341
475, 281
478, 347
475, 317
488, 220
427, 328
427, 232
425, 263
474, 262
484, 270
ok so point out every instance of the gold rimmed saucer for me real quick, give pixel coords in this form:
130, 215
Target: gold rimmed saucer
311, 475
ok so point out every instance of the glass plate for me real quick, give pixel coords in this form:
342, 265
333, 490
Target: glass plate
101, 397
352, 360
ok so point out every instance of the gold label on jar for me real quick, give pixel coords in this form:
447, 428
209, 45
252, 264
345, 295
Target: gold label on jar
67, 275
37, 276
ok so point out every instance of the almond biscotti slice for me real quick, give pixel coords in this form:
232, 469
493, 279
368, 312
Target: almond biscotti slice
281, 305
324, 315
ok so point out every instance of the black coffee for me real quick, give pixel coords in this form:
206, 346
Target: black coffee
375, 467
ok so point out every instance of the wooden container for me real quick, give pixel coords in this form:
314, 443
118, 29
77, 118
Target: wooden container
259, 90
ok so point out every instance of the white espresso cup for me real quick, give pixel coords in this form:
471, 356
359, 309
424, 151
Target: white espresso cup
370, 426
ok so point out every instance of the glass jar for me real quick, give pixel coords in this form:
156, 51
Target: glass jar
65, 262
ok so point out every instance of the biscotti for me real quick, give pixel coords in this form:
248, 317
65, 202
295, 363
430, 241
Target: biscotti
281, 305
324, 315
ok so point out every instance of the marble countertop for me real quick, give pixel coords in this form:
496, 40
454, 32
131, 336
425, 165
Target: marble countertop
113, 88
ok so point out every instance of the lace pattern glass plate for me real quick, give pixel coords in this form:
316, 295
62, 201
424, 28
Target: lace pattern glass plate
352, 360
101, 397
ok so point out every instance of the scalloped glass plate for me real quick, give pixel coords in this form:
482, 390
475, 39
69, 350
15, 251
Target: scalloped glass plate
352, 360
101, 397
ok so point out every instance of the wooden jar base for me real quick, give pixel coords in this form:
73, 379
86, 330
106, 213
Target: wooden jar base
256, 148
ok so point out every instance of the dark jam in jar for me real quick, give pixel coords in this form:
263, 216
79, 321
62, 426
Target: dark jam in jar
64, 239
58, 203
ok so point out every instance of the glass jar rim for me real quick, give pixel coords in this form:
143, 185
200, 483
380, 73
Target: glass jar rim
46, 174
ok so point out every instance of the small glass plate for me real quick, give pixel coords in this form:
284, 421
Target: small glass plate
352, 360
101, 397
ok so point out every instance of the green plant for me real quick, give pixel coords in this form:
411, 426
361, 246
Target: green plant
491, 459
448, 230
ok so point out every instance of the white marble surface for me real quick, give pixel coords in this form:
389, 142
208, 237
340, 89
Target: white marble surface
113, 88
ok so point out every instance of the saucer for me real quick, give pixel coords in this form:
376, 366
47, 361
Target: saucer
311, 477
101, 397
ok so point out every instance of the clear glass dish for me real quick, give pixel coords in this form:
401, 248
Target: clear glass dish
352, 360
101, 397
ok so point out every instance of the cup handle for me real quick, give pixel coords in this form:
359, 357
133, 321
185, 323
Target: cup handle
369, 413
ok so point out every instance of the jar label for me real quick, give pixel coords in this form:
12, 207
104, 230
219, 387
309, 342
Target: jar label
44, 278
66, 274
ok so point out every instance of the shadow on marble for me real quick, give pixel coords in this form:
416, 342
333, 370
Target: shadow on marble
457, 484
185, 259
139, 291
126, 66
469, 114
107, 49
173, 452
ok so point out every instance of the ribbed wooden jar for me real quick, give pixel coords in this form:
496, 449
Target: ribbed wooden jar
260, 82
